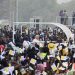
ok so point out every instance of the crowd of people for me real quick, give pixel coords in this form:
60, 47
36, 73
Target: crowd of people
35, 53
45, 35
6, 35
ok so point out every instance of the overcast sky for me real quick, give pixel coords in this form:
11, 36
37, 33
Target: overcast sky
63, 1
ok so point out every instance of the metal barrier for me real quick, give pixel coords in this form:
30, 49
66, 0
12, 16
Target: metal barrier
69, 20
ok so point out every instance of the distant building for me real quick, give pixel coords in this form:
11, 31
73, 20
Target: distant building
37, 20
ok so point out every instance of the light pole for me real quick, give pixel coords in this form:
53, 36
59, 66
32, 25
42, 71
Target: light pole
16, 10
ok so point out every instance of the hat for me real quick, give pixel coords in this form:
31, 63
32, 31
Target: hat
51, 46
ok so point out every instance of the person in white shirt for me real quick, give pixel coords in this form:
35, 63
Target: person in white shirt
36, 40
26, 43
